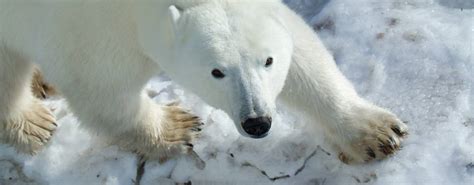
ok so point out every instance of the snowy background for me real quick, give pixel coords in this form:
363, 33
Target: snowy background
414, 57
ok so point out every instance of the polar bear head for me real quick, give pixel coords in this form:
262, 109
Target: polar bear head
235, 56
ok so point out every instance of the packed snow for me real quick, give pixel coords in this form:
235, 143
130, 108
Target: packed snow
413, 57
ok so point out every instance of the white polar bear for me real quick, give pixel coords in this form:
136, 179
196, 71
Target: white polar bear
239, 56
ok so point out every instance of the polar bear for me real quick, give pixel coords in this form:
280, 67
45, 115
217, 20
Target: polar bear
238, 56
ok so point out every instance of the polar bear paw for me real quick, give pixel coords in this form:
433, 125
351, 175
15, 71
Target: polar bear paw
376, 133
180, 128
178, 132
31, 130
175, 134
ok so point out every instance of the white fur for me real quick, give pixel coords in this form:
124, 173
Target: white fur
101, 53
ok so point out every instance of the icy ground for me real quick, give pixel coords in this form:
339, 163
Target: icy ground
413, 57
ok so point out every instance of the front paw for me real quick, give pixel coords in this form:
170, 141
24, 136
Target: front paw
374, 134
179, 128
163, 136
177, 133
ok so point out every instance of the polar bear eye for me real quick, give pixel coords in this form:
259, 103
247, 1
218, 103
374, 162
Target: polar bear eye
269, 62
217, 73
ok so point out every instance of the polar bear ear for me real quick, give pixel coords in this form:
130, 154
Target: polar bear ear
175, 14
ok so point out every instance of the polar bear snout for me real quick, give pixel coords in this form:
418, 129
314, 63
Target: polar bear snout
257, 127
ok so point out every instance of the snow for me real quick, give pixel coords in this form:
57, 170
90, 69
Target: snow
413, 57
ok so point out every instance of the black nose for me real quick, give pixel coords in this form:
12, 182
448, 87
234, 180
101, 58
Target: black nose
257, 127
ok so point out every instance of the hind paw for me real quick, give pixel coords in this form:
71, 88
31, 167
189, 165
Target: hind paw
31, 130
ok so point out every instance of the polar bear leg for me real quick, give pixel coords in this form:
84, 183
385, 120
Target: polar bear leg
24, 122
109, 100
358, 130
